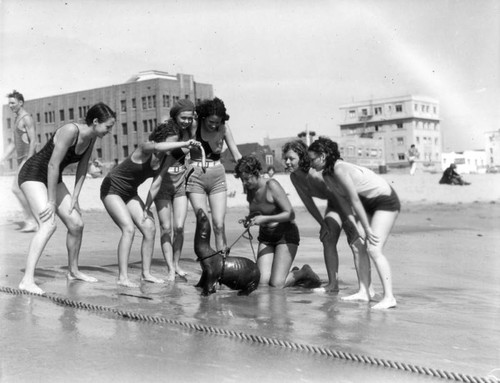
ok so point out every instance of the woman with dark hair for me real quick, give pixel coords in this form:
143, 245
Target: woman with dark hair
126, 208
309, 184
279, 238
376, 206
171, 201
207, 179
41, 181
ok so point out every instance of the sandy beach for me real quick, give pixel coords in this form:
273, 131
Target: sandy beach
422, 188
443, 252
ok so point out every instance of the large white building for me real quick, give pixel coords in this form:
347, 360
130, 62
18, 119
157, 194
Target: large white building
492, 148
399, 122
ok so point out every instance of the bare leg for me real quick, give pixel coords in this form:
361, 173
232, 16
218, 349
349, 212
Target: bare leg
148, 230
382, 223
30, 223
164, 210
218, 204
265, 255
330, 253
36, 194
119, 213
180, 212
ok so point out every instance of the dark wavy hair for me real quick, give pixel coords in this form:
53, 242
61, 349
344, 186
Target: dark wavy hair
207, 108
324, 145
165, 130
100, 111
249, 165
299, 147
15, 94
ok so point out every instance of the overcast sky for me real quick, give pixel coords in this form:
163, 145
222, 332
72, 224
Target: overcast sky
278, 65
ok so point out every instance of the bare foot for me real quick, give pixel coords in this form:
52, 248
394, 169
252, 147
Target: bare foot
31, 287
386, 303
359, 296
170, 277
80, 277
181, 273
126, 283
151, 279
331, 288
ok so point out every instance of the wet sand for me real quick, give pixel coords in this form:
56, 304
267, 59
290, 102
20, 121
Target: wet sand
445, 265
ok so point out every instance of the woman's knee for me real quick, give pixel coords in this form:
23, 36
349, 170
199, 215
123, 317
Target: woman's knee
76, 226
218, 227
149, 230
48, 227
128, 230
179, 231
165, 229
375, 252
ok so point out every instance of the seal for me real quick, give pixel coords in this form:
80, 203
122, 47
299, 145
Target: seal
237, 273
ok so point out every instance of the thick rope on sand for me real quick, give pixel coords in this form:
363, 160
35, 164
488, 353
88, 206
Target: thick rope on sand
436, 373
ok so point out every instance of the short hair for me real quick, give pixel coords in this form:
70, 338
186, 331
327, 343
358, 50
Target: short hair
164, 130
15, 94
324, 145
299, 147
100, 111
247, 164
207, 108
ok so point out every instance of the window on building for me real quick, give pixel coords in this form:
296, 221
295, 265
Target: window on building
150, 125
38, 117
374, 153
352, 114
154, 101
377, 127
166, 100
99, 152
47, 137
124, 128
144, 104
389, 108
145, 126
71, 114
134, 104
401, 156
360, 152
46, 117
400, 140
422, 108
134, 125
378, 110
427, 108
150, 102
415, 107
186, 96
61, 114
125, 150
399, 125
364, 112
123, 105
39, 136
367, 152
399, 107
115, 139
269, 159
434, 110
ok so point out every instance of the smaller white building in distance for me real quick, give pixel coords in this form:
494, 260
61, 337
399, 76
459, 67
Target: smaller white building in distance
468, 161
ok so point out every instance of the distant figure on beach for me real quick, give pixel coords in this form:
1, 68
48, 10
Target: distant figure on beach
95, 169
209, 183
451, 177
171, 201
270, 172
23, 145
413, 155
375, 204
119, 194
309, 184
270, 209
41, 181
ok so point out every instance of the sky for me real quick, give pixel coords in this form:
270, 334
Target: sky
279, 65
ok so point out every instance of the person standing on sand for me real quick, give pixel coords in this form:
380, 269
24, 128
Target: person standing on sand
24, 145
270, 209
41, 181
309, 184
413, 155
376, 205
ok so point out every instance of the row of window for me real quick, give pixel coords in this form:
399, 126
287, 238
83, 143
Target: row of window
147, 126
149, 102
351, 151
398, 108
